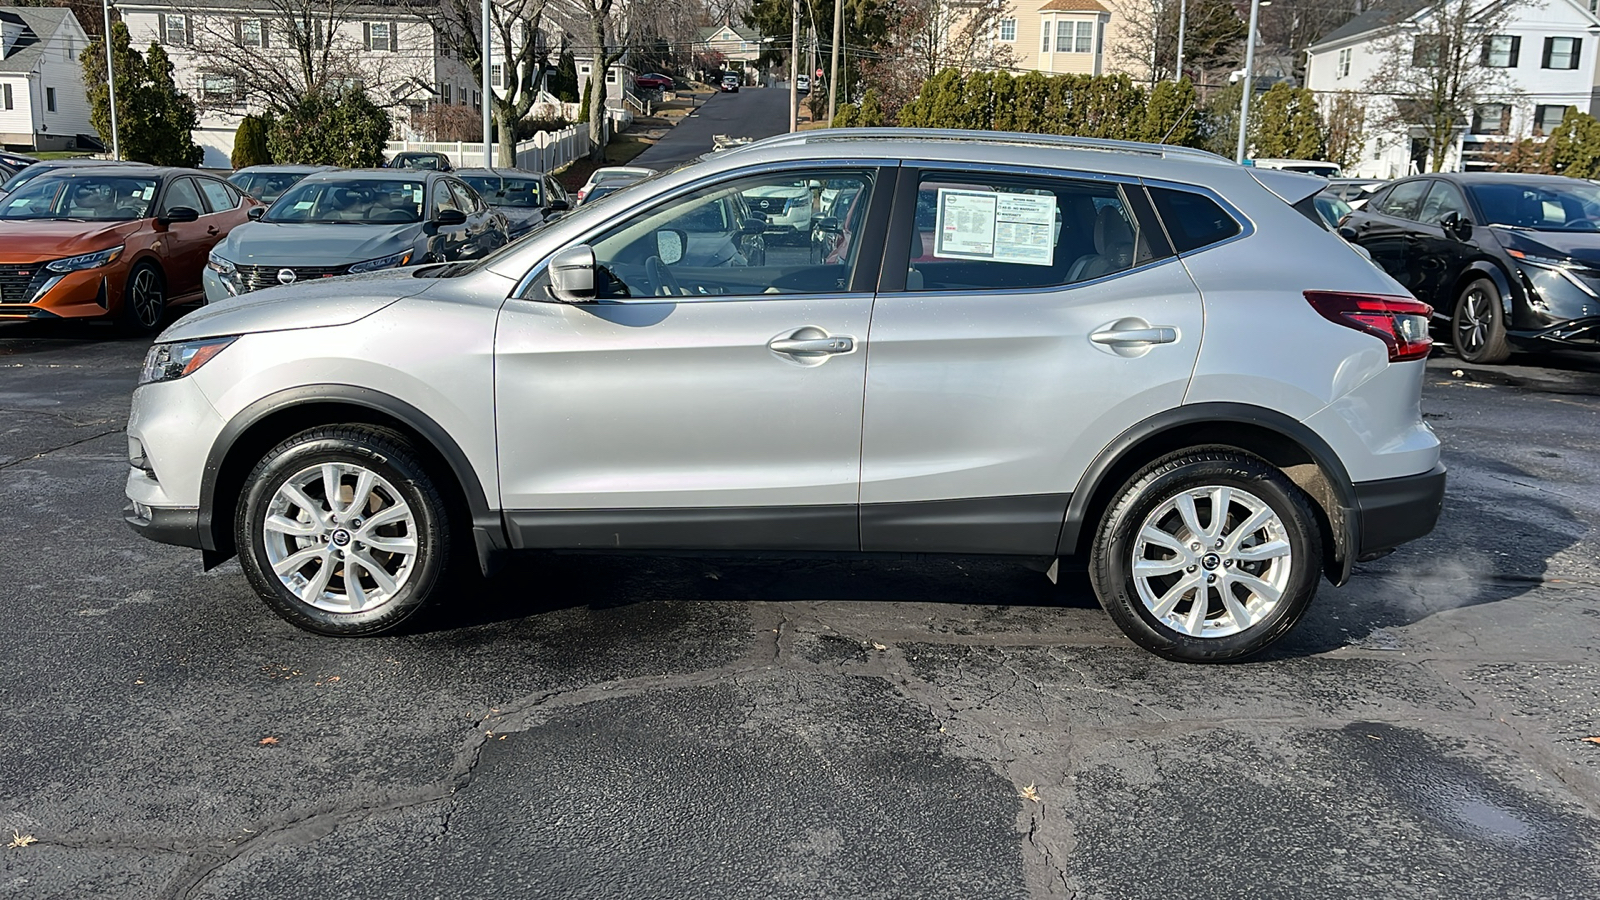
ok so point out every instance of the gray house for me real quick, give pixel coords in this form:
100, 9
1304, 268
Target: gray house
42, 102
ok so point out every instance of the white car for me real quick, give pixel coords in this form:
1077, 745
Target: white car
786, 206
606, 173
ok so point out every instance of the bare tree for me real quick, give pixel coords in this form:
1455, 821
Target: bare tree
1432, 69
604, 40
1212, 33
520, 49
943, 34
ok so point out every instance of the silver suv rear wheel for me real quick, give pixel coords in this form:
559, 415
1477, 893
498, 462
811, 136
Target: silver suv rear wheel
1207, 555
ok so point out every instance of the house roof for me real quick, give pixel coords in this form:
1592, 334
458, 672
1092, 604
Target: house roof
745, 34
1073, 6
38, 24
1373, 20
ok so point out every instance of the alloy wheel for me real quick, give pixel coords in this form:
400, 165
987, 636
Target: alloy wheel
144, 293
1212, 561
1476, 317
340, 537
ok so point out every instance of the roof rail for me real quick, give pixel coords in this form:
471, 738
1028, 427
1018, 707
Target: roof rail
1062, 141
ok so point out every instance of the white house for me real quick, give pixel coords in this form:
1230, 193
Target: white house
42, 101
1547, 51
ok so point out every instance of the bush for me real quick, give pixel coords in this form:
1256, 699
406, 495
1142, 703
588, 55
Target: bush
250, 143
331, 130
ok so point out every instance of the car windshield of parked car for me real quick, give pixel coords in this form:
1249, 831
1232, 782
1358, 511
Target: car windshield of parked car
84, 197
417, 162
358, 202
266, 186
1541, 207
521, 193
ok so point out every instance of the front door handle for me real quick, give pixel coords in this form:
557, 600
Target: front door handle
1157, 335
836, 344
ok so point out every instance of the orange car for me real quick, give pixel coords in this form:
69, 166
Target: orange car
116, 242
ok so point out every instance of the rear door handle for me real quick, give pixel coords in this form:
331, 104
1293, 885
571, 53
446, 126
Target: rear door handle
1157, 335
835, 344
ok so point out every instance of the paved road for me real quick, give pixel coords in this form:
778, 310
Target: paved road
753, 113
599, 727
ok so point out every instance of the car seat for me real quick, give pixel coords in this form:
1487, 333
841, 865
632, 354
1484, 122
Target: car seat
1113, 243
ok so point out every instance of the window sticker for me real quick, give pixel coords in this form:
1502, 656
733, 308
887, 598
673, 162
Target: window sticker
303, 204
996, 227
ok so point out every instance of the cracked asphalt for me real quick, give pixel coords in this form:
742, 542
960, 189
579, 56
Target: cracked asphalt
589, 726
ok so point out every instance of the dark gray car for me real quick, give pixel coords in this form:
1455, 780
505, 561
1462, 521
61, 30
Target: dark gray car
267, 183
526, 198
349, 222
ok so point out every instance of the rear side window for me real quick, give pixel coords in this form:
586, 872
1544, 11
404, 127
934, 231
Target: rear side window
218, 195
1193, 220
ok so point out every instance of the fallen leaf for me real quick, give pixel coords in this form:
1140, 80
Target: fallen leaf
878, 646
1458, 373
1593, 740
20, 840
1030, 793
1374, 737
267, 740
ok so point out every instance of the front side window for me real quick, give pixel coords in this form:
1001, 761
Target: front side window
358, 201
1562, 52
1500, 51
1443, 199
182, 193
1404, 200
466, 200
715, 243
1009, 232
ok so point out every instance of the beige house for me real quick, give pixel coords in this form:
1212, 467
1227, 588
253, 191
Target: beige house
1057, 37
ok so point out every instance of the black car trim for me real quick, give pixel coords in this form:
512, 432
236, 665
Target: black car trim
1024, 525
1397, 510
489, 532
807, 528
177, 526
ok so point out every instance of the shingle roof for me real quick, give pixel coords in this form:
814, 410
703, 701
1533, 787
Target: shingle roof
1072, 6
38, 24
1372, 20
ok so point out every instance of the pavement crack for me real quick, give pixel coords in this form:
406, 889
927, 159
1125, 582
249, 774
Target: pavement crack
43, 453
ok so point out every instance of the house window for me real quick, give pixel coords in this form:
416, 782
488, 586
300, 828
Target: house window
1063, 37
1425, 51
1562, 52
252, 33
1501, 51
380, 36
1547, 117
1008, 29
5, 95
175, 29
217, 88
444, 92
1342, 70
1085, 40
1045, 31
1493, 118
50, 99
611, 76
494, 76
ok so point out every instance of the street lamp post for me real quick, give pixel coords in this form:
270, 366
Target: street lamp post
794, 70
1183, 24
111, 80
1249, 79
488, 120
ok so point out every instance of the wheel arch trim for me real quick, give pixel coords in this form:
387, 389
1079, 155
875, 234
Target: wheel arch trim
1483, 268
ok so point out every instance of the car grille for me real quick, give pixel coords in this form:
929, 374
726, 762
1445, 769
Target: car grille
254, 278
16, 282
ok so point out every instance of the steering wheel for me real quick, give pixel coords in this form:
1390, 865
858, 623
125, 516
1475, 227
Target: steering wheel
666, 284
1581, 225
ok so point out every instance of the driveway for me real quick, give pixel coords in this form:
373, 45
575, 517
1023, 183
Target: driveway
753, 113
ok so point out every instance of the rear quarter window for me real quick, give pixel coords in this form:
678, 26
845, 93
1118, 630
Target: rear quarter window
1193, 220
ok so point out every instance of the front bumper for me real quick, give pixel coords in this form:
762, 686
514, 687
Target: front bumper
1573, 334
1396, 510
180, 527
73, 295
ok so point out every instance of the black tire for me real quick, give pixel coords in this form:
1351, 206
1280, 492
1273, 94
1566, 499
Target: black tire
1478, 327
1118, 540
144, 301
400, 478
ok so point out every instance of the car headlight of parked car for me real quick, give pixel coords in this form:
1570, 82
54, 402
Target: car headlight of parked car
226, 271
166, 362
86, 261
1563, 269
382, 262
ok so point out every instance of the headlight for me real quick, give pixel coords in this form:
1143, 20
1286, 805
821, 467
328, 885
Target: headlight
382, 262
1567, 269
219, 265
165, 362
86, 261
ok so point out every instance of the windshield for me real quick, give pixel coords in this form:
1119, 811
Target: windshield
353, 201
427, 161
266, 186
1541, 207
522, 193
82, 197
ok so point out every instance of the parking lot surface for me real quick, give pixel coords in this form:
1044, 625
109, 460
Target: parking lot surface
589, 726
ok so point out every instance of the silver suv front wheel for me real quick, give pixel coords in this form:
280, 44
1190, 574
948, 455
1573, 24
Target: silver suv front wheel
1207, 555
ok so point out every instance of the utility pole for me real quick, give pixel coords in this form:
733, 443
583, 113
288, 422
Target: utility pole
794, 70
111, 81
833, 70
811, 51
1249, 79
488, 120
1183, 22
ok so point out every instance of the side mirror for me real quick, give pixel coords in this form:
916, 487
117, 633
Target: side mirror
255, 213
754, 225
1456, 227
825, 223
669, 245
1348, 233
558, 206
572, 275
180, 214
447, 218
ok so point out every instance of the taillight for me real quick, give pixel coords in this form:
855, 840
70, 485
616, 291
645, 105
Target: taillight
1400, 322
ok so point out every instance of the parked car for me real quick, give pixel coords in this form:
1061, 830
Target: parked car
418, 159
653, 81
802, 84
730, 83
16, 161
116, 242
51, 167
1211, 399
347, 222
1331, 207
1508, 260
267, 183
606, 188
527, 199
1355, 191
1303, 166
625, 174
787, 208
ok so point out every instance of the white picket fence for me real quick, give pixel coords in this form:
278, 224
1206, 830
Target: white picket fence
546, 151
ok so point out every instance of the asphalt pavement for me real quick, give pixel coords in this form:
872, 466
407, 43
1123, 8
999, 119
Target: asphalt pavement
610, 727
754, 112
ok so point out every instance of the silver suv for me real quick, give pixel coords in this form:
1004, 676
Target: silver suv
1146, 358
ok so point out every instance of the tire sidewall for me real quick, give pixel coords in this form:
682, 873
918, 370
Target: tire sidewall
397, 467
1493, 341
1111, 567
